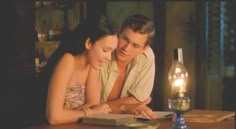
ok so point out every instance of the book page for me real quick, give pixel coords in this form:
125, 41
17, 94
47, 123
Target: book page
159, 114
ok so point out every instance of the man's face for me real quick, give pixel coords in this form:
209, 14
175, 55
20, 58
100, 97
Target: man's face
130, 44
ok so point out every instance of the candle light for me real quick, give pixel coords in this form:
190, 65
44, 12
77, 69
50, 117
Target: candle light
178, 78
178, 75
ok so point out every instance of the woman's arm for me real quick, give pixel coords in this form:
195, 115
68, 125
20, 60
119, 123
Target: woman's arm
92, 95
92, 88
55, 111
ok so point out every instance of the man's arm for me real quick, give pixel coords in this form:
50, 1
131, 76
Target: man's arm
116, 105
131, 105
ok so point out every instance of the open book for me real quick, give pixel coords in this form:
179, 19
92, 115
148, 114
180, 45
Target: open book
207, 116
109, 119
122, 119
159, 114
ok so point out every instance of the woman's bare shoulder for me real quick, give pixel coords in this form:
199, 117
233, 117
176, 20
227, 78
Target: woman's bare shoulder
67, 60
67, 57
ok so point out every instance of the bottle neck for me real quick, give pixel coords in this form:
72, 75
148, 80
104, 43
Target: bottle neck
178, 55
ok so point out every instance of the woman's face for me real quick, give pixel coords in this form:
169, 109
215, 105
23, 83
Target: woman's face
101, 50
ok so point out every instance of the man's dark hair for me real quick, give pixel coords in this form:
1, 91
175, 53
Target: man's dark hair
139, 23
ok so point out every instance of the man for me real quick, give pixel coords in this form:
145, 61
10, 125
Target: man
127, 80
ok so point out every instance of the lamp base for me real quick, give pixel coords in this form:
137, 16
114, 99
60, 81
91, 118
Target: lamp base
179, 122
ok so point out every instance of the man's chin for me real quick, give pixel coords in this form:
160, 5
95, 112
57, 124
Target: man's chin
121, 59
97, 67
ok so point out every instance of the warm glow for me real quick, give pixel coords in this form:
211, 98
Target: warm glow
178, 82
178, 75
179, 85
177, 70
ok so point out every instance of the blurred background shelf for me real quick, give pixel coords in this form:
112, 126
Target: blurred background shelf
47, 47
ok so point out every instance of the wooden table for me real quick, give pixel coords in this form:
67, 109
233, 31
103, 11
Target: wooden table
164, 124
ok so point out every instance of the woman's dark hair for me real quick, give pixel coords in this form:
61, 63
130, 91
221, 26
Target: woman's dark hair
73, 42
94, 28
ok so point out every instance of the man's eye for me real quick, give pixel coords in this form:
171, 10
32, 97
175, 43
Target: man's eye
105, 50
136, 46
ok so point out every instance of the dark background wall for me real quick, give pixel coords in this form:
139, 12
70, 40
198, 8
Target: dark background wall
18, 80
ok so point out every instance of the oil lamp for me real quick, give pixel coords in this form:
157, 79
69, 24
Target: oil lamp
178, 102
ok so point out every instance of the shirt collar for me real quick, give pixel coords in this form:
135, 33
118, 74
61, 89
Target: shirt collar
113, 63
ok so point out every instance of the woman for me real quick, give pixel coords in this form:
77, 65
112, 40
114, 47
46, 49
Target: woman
74, 90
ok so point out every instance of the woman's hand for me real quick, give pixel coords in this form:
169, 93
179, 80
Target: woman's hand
100, 109
139, 109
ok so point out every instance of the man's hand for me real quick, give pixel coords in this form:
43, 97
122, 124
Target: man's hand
139, 109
